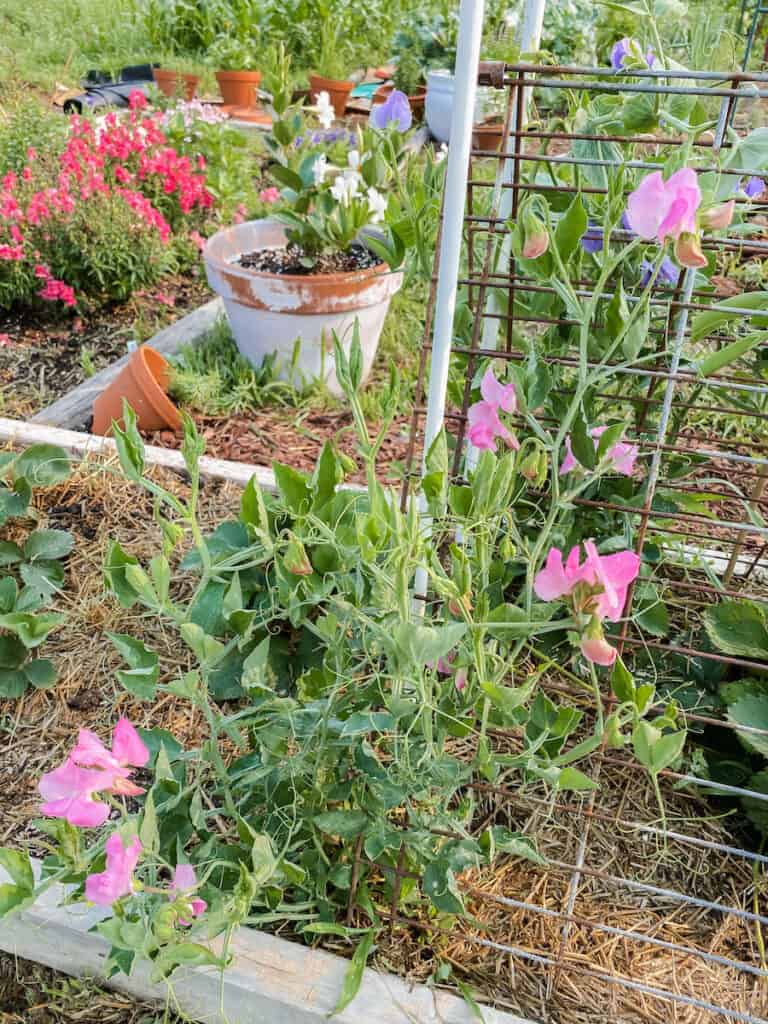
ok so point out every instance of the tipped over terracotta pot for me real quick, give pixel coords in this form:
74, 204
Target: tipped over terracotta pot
143, 383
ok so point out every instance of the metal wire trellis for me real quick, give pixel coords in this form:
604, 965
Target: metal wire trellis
633, 918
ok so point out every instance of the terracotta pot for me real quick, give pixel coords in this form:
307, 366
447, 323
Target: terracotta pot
268, 313
238, 88
143, 382
171, 83
487, 136
337, 90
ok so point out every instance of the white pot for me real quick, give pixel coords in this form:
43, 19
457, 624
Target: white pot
438, 106
268, 313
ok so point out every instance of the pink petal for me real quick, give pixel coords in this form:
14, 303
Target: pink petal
616, 572
551, 582
647, 206
91, 752
598, 650
78, 811
497, 394
117, 880
623, 457
484, 425
127, 745
184, 878
569, 463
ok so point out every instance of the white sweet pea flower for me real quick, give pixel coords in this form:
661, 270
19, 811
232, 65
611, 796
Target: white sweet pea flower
441, 154
353, 159
377, 205
320, 169
324, 110
345, 188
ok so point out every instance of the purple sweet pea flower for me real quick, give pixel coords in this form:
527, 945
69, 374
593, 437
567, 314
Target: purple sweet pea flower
668, 273
626, 226
395, 108
754, 187
627, 47
592, 239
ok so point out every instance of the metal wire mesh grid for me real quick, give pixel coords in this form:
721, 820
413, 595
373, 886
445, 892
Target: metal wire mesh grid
633, 918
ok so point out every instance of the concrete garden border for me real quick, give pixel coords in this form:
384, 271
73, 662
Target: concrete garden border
270, 981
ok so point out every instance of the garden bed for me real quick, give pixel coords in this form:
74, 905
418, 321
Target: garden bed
688, 951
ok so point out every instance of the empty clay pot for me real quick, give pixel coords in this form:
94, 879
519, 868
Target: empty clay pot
337, 90
143, 383
238, 88
171, 83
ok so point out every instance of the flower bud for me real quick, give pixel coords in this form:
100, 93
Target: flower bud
296, 560
457, 606
534, 467
535, 237
507, 549
594, 646
717, 217
688, 251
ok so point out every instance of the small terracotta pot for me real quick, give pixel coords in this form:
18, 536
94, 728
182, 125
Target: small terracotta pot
487, 137
143, 382
172, 82
337, 90
238, 88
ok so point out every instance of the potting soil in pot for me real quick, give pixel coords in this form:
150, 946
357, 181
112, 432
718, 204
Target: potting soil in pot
291, 259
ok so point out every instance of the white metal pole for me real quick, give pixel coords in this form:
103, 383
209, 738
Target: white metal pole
530, 40
465, 86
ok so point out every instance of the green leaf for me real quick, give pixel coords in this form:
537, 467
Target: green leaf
255, 666
10, 553
31, 629
419, 645
354, 975
722, 313
12, 652
13, 683
667, 749
253, 511
636, 335
43, 465
148, 830
49, 544
19, 867
287, 177
639, 113
570, 228
498, 839
14, 502
622, 682
345, 824
583, 444
751, 710
41, 673
644, 737
141, 678
738, 628
293, 487
184, 954
728, 354
114, 574
571, 778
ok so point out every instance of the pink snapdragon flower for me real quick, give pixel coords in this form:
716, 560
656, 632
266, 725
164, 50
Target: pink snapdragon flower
270, 195
185, 881
665, 209
484, 422
68, 793
116, 880
128, 751
622, 456
596, 589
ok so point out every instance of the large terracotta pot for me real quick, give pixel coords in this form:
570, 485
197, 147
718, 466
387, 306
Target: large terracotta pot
143, 382
238, 88
487, 136
269, 312
337, 90
171, 83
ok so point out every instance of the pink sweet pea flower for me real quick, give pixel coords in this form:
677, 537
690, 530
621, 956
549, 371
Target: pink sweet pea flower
622, 456
596, 648
613, 574
270, 195
128, 751
117, 880
688, 251
718, 217
483, 417
68, 793
185, 881
665, 209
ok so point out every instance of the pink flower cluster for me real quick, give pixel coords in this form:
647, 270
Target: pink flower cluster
485, 426
126, 157
620, 456
596, 589
68, 792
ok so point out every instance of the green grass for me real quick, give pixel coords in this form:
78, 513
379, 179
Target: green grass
50, 42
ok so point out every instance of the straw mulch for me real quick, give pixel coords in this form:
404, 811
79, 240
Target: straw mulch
486, 950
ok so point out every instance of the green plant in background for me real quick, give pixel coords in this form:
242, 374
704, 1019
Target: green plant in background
228, 53
31, 570
331, 57
409, 73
